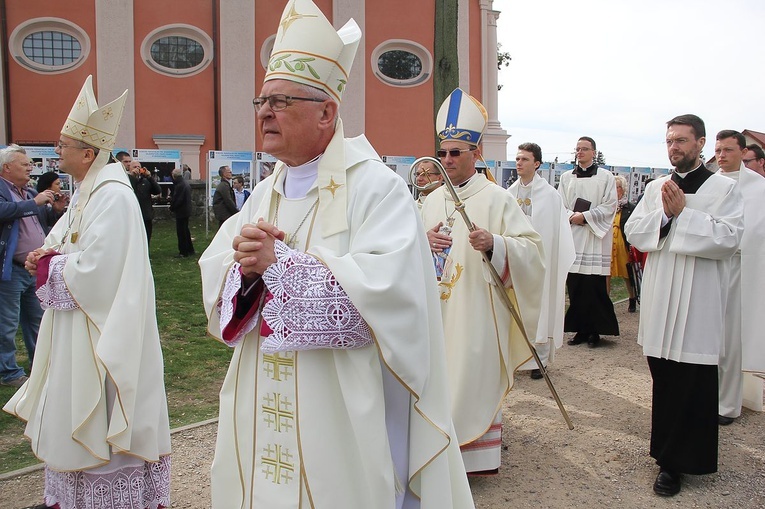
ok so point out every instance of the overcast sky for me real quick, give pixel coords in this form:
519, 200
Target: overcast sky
617, 70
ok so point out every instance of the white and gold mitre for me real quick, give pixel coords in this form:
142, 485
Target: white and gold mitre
308, 50
93, 125
461, 118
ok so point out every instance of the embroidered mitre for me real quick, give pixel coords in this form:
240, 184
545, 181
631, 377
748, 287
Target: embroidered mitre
461, 118
93, 125
308, 50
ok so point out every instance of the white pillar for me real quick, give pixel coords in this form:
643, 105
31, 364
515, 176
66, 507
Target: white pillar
115, 61
495, 138
354, 98
238, 57
463, 44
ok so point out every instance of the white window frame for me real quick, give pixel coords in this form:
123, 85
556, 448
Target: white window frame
178, 30
403, 45
47, 24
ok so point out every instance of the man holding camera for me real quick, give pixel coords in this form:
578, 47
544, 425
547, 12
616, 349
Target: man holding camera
23, 226
144, 186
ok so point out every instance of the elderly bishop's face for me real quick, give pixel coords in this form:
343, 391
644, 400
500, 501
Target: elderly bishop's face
292, 135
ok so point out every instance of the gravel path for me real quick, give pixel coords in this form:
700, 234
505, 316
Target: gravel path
603, 462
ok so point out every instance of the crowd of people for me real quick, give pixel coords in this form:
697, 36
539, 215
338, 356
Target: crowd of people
374, 336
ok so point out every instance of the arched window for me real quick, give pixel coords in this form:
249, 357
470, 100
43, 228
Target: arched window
49, 45
402, 63
177, 50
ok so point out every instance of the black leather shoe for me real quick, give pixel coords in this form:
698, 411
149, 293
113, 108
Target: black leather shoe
536, 374
667, 483
632, 306
724, 421
580, 337
593, 340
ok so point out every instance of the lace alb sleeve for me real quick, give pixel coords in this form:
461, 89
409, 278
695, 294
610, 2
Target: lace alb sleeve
54, 293
309, 309
226, 305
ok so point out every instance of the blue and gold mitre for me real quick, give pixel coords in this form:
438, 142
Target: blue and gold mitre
461, 118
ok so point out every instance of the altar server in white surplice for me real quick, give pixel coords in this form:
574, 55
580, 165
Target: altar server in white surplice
589, 195
690, 224
744, 321
336, 395
95, 401
542, 203
484, 346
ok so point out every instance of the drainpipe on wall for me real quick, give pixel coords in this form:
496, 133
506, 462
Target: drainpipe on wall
6, 79
216, 74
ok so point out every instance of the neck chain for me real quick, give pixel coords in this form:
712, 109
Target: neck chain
291, 238
449, 217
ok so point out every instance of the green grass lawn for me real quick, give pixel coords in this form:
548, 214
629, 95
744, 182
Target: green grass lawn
195, 364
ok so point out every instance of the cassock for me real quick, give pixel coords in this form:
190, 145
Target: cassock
682, 312
590, 308
336, 426
543, 205
484, 346
743, 313
95, 401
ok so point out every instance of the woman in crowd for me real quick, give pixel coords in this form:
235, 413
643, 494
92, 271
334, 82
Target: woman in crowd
620, 252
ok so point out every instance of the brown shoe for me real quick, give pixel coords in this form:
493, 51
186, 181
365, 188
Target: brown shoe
16, 382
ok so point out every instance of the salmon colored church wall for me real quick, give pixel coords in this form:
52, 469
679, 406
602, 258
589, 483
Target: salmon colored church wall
164, 104
399, 121
39, 102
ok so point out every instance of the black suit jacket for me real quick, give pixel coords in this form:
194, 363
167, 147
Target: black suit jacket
224, 203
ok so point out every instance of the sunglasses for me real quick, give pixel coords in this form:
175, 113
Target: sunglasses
455, 152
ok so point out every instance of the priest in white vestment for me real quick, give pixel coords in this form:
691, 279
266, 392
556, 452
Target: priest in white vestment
426, 179
744, 321
690, 224
95, 402
589, 195
543, 205
484, 346
336, 395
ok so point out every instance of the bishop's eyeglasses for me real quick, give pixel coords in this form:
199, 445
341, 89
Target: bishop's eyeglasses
278, 102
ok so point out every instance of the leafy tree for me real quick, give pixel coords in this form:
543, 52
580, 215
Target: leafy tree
503, 60
600, 158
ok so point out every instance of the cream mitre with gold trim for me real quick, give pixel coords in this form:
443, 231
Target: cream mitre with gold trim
96, 127
308, 50
93, 125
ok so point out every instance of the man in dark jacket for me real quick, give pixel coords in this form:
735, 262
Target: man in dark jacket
144, 187
180, 204
23, 227
224, 202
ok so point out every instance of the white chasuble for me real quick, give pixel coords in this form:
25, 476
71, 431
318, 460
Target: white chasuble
351, 440
593, 239
550, 220
96, 391
686, 279
484, 346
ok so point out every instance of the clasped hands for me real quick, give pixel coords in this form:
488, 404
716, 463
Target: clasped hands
254, 248
577, 218
673, 198
480, 239
33, 257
